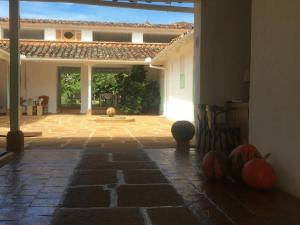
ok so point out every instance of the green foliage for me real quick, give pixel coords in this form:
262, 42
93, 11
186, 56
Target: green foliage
104, 83
138, 74
152, 96
70, 88
137, 95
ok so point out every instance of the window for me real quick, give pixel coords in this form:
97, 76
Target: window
27, 34
111, 36
182, 73
68, 35
158, 38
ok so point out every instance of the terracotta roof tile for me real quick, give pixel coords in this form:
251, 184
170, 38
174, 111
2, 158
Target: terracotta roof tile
178, 25
86, 50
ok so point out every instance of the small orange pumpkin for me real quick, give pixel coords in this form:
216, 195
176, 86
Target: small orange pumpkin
239, 156
259, 174
215, 165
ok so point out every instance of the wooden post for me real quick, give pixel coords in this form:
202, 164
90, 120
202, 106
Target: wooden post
197, 45
15, 137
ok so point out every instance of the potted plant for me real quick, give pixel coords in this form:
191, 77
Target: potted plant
183, 132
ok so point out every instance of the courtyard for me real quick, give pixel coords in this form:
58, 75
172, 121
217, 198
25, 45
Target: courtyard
82, 171
122, 184
80, 131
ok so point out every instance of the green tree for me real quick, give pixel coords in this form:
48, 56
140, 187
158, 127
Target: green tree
70, 88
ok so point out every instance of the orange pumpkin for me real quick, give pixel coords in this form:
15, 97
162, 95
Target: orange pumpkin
241, 155
215, 165
259, 174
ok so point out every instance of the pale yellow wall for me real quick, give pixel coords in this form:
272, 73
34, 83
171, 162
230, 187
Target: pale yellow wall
3, 85
178, 103
275, 87
40, 78
225, 50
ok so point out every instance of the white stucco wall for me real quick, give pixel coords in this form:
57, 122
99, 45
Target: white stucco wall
86, 35
275, 81
178, 103
3, 85
225, 50
50, 34
40, 78
86, 88
137, 37
162, 89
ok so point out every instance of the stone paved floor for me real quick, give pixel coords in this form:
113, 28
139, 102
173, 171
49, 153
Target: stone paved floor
224, 203
32, 185
115, 181
80, 131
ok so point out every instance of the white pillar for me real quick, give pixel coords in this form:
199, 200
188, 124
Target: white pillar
7, 90
87, 35
50, 34
1, 33
86, 89
137, 37
197, 66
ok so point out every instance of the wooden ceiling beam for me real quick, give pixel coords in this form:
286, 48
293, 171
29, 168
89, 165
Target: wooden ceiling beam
133, 5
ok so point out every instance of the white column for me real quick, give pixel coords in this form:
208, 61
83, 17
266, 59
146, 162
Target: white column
137, 37
197, 64
1, 33
87, 35
86, 89
50, 34
7, 90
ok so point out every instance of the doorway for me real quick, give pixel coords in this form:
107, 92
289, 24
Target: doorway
106, 88
69, 93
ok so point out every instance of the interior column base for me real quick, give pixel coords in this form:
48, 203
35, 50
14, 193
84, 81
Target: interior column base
15, 141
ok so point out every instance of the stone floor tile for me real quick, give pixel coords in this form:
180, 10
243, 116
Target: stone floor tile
89, 196
117, 166
42, 202
39, 211
120, 216
10, 214
148, 195
172, 216
208, 213
36, 220
144, 177
94, 177
95, 158
127, 156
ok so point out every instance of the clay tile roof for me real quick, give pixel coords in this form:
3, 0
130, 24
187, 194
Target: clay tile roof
177, 25
86, 50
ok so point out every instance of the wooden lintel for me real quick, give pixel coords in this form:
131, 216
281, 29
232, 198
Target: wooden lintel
133, 5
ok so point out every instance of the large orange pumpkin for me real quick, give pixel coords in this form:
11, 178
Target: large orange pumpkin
239, 156
259, 174
215, 165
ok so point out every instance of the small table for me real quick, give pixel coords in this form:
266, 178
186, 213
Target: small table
31, 110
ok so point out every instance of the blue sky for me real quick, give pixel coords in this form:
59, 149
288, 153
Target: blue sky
94, 13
